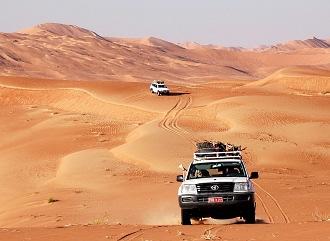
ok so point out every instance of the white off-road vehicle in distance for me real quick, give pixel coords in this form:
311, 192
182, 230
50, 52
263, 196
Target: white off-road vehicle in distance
158, 87
216, 185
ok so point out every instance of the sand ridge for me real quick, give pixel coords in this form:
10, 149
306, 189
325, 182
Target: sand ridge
71, 52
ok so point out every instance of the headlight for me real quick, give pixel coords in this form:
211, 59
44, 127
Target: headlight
243, 187
188, 189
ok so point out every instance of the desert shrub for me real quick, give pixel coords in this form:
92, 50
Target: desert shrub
52, 200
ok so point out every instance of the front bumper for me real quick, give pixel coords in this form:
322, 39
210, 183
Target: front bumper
233, 205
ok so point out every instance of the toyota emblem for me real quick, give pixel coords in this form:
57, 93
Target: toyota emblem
214, 187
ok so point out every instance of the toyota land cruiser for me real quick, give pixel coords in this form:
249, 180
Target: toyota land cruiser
216, 185
158, 87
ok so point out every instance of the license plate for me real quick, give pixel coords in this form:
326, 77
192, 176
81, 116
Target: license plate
215, 200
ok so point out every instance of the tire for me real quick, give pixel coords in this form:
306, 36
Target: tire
185, 217
158, 93
250, 216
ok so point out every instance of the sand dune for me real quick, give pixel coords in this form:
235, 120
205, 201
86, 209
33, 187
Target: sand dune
71, 52
298, 80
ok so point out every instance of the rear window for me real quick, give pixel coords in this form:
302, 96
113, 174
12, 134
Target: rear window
216, 169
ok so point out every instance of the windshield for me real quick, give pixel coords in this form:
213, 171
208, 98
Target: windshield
216, 169
161, 86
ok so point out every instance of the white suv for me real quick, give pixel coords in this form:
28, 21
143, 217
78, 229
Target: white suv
158, 87
216, 185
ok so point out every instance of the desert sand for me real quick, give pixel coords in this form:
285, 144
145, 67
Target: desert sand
87, 153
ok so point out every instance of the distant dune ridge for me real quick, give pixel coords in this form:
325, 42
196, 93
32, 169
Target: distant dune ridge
54, 50
301, 44
59, 29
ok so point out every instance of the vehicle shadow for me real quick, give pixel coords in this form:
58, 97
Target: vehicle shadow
258, 221
178, 93
235, 221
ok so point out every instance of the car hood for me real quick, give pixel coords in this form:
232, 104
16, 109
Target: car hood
216, 179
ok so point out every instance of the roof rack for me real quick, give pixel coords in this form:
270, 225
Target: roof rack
214, 155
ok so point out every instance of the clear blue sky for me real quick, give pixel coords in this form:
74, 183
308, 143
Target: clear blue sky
246, 23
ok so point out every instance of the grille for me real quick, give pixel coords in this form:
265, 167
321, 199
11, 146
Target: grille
211, 187
206, 199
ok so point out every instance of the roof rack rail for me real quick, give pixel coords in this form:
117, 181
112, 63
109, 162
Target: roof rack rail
209, 155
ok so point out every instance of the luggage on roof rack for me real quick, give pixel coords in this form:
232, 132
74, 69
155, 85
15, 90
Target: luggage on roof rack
208, 150
219, 146
158, 82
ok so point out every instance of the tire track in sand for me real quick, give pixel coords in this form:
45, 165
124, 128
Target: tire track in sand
170, 119
163, 122
133, 235
174, 122
268, 202
264, 206
272, 202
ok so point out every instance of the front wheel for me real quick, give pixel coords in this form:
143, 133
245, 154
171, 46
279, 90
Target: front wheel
250, 216
185, 217
158, 93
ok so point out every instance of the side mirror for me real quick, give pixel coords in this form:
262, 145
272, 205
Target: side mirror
254, 175
179, 178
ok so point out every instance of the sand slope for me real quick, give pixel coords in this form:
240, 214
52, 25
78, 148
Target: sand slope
298, 80
88, 145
